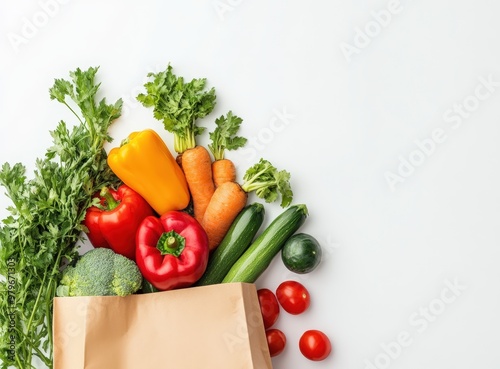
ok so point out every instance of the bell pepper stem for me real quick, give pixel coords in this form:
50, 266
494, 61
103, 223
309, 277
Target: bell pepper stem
110, 200
171, 243
125, 142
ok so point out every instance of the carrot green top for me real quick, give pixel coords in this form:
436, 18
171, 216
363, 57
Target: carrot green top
224, 136
268, 183
178, 104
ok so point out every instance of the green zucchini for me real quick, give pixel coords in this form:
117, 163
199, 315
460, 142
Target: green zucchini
261, 252
235, 242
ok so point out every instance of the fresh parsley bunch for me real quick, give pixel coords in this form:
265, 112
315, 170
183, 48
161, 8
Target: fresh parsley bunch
45, 219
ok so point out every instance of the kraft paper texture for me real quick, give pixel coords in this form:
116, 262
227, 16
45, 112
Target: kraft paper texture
211, 327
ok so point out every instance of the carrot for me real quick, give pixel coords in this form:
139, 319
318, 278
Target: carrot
223, 170
230, 198
197, 167
225, 205
224, 138
178, 159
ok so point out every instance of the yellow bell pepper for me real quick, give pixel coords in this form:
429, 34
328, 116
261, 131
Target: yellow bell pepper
144, 163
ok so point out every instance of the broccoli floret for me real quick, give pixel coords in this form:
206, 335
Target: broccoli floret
101, 272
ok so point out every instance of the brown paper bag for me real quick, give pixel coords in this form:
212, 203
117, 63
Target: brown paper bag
211, 327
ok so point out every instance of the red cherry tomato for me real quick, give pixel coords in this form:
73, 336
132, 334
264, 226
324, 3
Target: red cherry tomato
276, 341
268, 306
293, 297
315, 345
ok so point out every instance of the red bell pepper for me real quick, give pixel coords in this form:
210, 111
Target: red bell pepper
114, 222
172, 251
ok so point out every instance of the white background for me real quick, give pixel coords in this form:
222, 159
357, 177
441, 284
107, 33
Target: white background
353, 118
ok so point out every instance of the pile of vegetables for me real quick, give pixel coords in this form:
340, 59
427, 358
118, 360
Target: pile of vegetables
157, 222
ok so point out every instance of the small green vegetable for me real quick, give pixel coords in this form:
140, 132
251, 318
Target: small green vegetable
301, 253
235, 242
268, 182
101, 272
261, 252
